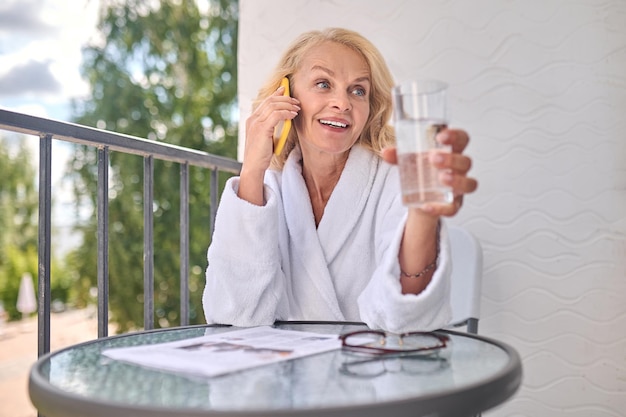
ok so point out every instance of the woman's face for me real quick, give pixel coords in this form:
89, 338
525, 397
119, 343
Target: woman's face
333, 85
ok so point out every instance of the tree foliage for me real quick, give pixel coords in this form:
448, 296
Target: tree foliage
18, 221
165, 71
19, 205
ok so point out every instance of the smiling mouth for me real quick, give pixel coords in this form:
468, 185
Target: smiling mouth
333, 123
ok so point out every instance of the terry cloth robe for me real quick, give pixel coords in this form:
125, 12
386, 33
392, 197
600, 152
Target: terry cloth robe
270, 262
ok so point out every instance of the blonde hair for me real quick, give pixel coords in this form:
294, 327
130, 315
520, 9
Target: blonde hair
377, 133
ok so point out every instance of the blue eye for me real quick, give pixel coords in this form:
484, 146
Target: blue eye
359, 92
323, 84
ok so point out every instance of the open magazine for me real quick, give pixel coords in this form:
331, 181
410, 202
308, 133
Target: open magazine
221, 353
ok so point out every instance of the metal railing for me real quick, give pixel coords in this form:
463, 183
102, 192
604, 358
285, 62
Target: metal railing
106, 141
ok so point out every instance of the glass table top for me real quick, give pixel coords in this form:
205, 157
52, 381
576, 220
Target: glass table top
335, 380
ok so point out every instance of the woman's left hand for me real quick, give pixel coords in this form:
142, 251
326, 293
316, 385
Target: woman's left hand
454, 167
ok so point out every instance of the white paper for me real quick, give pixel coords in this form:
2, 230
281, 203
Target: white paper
221, 353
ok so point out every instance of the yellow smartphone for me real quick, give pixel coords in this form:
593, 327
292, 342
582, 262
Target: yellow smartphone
282, 129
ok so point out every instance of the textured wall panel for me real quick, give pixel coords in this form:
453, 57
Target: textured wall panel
541, 87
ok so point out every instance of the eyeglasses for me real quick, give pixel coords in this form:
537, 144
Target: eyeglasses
376, 342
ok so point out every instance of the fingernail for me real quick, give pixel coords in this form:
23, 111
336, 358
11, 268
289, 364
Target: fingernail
443, 136
437, 158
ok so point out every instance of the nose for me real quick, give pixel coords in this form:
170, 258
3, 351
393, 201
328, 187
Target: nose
341, 101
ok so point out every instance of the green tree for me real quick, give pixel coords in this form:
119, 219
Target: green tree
18, 222
167, 72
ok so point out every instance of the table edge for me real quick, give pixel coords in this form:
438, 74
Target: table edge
51, 401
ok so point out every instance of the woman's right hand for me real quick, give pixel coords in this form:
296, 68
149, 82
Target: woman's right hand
260, 128
259, 146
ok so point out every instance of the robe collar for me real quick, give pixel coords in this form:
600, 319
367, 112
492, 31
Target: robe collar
314, 247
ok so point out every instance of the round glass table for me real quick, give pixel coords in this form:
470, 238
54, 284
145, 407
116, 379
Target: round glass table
473, 374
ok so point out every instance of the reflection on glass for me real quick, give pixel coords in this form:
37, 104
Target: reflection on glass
409, 364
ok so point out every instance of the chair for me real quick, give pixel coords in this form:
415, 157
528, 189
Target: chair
467, 271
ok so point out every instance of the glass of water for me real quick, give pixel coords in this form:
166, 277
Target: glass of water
419, 114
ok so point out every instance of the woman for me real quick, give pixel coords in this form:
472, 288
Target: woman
321, 234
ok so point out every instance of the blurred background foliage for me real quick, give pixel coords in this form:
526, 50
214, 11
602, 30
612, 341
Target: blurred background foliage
19, 205
165, 71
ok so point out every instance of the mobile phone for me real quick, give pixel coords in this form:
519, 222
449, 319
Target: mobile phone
281, 131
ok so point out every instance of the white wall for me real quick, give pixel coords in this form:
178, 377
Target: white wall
541, 87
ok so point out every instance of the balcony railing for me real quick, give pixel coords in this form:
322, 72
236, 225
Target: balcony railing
106, 141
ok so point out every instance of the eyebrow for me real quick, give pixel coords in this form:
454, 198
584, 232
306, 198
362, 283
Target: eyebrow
332, 73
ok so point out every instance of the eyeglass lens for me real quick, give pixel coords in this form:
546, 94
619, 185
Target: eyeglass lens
412, 341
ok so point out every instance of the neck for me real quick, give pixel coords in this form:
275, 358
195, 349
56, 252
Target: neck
321, 175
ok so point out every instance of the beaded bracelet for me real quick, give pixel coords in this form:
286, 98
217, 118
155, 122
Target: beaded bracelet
431, 265
419, 274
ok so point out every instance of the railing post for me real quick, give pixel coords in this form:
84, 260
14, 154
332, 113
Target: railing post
148, 242
184, 244
103, 241
214, 196
43, 277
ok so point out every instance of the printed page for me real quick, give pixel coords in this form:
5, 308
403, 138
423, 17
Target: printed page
226, 352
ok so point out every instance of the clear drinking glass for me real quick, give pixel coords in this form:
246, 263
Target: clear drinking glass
419, 114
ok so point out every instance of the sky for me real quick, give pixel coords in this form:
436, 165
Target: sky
40, 54
40, 58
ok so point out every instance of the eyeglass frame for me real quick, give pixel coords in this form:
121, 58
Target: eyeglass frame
442, 338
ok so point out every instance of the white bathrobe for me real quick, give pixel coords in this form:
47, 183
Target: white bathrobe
271, 263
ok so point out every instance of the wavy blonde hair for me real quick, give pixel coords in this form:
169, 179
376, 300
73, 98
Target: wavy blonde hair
377, 133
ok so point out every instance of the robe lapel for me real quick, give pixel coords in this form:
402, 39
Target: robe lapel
347, 202
309, 267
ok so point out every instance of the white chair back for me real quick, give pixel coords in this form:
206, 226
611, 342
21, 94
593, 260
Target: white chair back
467, 272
